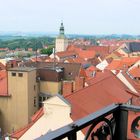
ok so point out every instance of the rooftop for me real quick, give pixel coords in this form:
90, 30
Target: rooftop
23, 69
135, 72
87, 100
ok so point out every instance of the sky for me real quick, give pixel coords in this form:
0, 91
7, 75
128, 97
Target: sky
79, 16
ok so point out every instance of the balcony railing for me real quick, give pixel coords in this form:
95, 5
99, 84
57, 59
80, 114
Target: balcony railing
115, 118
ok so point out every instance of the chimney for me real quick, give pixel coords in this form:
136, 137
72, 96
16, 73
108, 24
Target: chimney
67, 88
79, 83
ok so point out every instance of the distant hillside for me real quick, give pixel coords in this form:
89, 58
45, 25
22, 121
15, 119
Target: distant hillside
38, 40
113, 36
13, 42
8, 37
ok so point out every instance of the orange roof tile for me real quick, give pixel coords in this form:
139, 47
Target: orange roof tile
130, 60
3, 83
86, 54
98, 95
76, 60
90, 70
2, 67
66, 54
102, 50
39, 58
82, 73
73, 48
135, 72
135, 84
120, 63
114, 65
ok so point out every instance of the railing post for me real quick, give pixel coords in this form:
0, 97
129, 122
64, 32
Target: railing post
72, 136
121, 119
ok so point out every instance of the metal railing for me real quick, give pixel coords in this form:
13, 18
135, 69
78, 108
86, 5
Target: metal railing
115, 118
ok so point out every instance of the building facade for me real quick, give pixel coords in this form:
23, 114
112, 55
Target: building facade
22, 99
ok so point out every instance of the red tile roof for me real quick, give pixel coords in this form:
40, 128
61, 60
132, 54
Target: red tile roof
73, 48
102, 50
3, 83
82, 73
114, 65
66, 54
39, 58
113, 48
98, 95
51, 60
4, 49
86, 54
111, 42
130, 60
135, 84
2, 67
120, 63
76, 60
135, 72
17, 134
90, 70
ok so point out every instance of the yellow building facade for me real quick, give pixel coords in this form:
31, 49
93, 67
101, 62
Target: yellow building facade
22, 103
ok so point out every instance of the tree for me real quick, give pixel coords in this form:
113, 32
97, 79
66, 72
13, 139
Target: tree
48, 51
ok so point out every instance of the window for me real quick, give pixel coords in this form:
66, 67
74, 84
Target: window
13, 74
20, 74
44, 98
34, 88
12, 65
34, 101
41, 99
70, 73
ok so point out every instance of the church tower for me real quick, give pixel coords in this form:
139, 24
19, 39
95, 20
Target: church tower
61, 42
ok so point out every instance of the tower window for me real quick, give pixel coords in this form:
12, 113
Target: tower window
34, 88
34, 101
13, 74
20, 74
